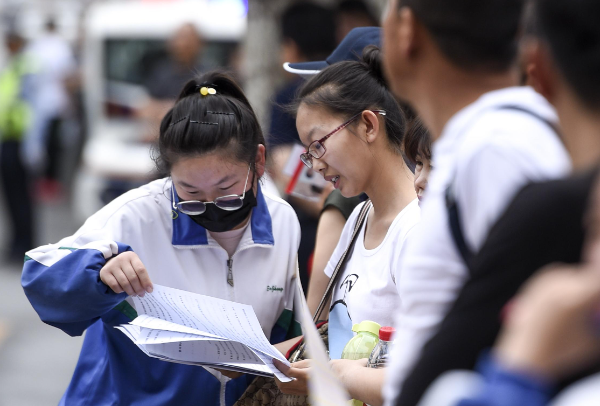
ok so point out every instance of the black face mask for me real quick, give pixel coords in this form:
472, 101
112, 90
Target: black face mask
219, 220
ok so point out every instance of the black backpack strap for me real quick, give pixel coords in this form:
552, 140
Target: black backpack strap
549, 123
456, 229
452, 208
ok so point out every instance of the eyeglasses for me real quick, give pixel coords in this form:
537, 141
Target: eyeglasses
195, 207
316, 149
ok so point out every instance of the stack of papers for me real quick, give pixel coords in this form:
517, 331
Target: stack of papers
178, 326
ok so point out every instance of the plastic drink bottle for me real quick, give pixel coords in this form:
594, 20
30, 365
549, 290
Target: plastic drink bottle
361, 345
378, 357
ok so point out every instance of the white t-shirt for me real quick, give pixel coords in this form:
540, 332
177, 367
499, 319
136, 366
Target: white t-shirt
367, 288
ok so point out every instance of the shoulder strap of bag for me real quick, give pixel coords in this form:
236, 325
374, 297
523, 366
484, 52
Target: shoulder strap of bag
343, 259
544, 120
452, 207
456, 228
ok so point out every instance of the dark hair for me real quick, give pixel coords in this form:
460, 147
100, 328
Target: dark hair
50, 25
472, 34
572, 32
349, 87
200, 124
417, 141
311, 27
356, 7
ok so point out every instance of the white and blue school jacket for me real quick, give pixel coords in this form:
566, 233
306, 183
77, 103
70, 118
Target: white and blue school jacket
62, 283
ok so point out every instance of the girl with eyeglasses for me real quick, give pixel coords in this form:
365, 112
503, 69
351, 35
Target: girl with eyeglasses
208, 228
353, 129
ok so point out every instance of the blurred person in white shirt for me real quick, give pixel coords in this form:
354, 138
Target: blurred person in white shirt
55, 64
455, 62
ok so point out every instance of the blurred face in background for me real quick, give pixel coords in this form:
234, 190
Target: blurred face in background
347, 21
186, 45
14, 44
290, 52
422, 170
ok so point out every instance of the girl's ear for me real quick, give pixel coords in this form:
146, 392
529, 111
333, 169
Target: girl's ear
260, 160
371, 121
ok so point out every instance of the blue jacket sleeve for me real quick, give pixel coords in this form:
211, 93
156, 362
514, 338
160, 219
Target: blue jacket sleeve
64, 287
503, 387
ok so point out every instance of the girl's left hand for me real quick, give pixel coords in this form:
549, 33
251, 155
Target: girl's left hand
298, 371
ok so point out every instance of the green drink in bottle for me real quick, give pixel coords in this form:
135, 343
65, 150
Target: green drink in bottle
361, 345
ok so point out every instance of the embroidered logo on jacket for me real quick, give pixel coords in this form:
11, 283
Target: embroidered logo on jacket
274, 288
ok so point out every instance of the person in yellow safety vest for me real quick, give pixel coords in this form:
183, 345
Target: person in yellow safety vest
15, 119
15, 112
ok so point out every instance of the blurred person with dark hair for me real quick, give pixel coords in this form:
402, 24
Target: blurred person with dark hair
15, 120
169, 74
550, 337
543, 224
55, 64
455, 62
308, 34
350, 14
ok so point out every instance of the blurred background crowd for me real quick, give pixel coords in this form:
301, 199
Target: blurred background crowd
83, 87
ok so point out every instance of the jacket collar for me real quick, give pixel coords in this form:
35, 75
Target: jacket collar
186, 232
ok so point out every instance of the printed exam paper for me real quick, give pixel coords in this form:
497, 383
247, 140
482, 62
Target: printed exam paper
184, 327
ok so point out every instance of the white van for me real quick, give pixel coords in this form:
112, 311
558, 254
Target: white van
121, 38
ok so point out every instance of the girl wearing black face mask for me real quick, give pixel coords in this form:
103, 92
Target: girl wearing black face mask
226, 212
208, 227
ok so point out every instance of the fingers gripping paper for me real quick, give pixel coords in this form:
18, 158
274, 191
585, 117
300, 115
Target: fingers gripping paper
178, 326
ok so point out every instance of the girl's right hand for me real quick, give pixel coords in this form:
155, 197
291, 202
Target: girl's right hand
299, 371
126, 273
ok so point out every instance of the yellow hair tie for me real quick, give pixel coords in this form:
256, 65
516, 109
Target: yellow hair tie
204, 91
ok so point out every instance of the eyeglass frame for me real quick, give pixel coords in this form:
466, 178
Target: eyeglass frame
306, 157
177, 206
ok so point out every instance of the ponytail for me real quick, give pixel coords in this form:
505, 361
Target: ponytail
198, 124
372, 59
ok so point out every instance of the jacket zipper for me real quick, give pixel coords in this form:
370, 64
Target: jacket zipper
230, 263
230, 272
